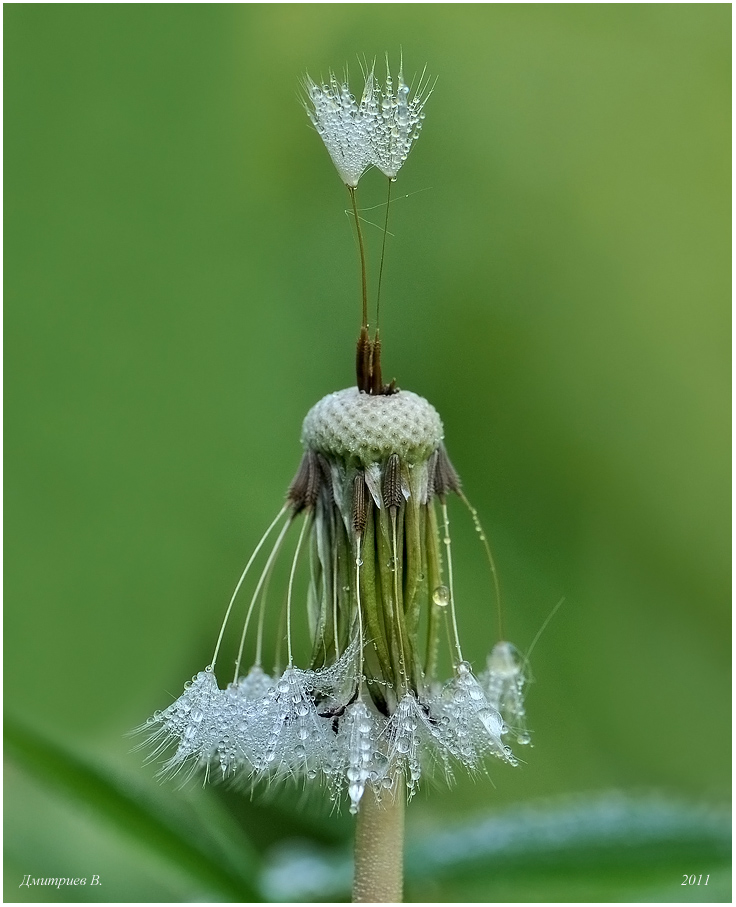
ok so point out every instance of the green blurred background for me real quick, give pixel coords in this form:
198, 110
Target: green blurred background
181, 286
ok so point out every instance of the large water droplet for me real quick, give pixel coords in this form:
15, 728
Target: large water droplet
441, 596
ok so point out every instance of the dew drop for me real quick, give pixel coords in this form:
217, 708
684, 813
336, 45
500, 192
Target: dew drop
524, 739
441, 596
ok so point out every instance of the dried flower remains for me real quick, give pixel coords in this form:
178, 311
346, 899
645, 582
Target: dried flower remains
368, 707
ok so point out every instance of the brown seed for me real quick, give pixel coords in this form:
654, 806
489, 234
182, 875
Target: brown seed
392, 494
304, 490
360, 503
443, 476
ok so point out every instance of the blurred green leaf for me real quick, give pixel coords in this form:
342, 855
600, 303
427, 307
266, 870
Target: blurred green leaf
610, 848
203, 845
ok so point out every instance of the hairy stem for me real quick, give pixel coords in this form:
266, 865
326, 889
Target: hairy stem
379, 849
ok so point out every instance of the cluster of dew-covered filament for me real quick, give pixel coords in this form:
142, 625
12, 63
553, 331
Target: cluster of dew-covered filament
269, 729
398, 122
367, 711
379, 130
503, 682
345, 126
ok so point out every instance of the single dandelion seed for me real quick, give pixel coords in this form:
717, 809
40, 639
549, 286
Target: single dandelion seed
503, 681
398, 120
344, 124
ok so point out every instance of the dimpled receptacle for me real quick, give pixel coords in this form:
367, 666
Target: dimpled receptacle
364, 429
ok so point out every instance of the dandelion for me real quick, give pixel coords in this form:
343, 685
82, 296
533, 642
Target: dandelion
369, 714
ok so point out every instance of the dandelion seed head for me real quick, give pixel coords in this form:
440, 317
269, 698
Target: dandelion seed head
417, 740
503, 681
379, 130
398, 122
359, 761
475, 727
344, 125
254, 686
297, 736
368, 709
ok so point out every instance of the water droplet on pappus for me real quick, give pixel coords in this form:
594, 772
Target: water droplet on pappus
441, 596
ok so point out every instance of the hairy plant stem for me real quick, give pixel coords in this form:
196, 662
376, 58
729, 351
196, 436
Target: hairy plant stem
379, 850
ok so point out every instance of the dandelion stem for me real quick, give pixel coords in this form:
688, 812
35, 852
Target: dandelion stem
383, 255
363, 277
379, 849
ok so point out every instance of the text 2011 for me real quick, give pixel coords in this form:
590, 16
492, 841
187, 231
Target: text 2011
694, 880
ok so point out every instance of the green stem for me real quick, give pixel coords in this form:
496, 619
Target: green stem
379, 849
363, 277
383, 255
